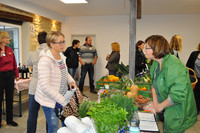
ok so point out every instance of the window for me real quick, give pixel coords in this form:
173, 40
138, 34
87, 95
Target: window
14, 34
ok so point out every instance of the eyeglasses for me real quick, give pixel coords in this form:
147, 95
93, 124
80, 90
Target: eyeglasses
60, 43
147, 48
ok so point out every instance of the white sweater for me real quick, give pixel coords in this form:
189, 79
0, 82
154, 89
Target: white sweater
49, 81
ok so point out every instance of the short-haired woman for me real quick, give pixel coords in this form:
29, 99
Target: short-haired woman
8, 72
53, 79
172, 90
113, 58
176, 45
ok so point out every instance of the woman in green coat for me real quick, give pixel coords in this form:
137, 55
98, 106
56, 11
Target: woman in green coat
172, 90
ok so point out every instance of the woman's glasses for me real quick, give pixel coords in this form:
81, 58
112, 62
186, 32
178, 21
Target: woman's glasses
60, 43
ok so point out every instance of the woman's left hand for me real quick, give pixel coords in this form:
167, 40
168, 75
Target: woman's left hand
158, 108
72, 84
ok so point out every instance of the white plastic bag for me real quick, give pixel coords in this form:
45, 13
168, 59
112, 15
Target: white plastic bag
63, 130
76, 126
89, 122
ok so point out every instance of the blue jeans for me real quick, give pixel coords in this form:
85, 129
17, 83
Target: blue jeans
84, 69
72, 72
32, 115
51, 118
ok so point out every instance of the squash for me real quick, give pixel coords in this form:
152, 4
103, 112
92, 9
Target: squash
132, 95
134, 89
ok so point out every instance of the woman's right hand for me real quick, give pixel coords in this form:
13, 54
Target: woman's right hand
107, 57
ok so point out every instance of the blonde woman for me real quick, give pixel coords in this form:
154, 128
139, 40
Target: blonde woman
113, 58
53, 79
8, 72
176, 45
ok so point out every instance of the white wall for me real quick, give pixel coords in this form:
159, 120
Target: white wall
116, 28
107, 29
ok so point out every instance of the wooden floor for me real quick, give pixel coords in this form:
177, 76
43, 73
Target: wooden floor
22, 121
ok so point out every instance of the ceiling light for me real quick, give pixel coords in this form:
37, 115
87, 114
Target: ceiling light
74, 1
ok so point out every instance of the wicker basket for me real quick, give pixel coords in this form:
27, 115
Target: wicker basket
193, 77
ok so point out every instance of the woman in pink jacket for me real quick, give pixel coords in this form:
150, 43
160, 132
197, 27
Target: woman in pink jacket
53, 79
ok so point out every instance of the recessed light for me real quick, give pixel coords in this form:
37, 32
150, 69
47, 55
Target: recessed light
74, 1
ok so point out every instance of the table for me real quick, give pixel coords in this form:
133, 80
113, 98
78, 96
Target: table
21, 85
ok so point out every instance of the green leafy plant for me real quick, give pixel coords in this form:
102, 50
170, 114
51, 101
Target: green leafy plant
122, 70
107, 116
83, 109
125, 103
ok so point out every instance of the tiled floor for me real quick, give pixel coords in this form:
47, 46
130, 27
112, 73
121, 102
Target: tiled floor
22, 121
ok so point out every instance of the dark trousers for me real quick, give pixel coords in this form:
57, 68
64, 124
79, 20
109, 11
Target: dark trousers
32, 115
84, 69
7, 83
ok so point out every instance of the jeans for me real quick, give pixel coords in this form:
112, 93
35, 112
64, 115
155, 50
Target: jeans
7, 84
51, 119
72, 72
84, 69
32, 115
112, 72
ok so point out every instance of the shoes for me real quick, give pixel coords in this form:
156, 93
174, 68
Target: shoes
12, 123
93, 91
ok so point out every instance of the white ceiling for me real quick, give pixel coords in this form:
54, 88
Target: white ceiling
120, 7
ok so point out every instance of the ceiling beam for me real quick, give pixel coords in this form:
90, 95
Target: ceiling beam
15, 17
139, 9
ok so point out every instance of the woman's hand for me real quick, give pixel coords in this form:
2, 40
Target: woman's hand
72, 84
17, 78
107, 57
158, 108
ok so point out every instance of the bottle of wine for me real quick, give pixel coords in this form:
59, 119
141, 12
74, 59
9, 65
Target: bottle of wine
20, 71
27, 72
23, 72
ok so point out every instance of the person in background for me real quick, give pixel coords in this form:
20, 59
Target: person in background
33, 105
176, 45
194, 63
53, 79
113, 58
88, 58
140, 62
8, 73
172, 90
72, 58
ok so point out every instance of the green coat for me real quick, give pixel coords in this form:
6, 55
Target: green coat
173, 81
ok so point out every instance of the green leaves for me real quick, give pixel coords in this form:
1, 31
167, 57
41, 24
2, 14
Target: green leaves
83, 109
125, 103
107, 116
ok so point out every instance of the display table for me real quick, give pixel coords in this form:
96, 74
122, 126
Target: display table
147, 106
21, 85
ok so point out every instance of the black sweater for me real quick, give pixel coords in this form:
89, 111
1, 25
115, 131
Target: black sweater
72, 57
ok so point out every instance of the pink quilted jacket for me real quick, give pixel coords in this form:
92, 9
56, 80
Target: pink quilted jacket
49, 81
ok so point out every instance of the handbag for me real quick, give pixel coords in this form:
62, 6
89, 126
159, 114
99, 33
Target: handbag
71, 107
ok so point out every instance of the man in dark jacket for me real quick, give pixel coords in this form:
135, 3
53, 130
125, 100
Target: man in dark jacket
72, 58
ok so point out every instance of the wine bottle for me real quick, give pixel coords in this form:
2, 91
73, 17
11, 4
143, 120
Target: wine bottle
20, 71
